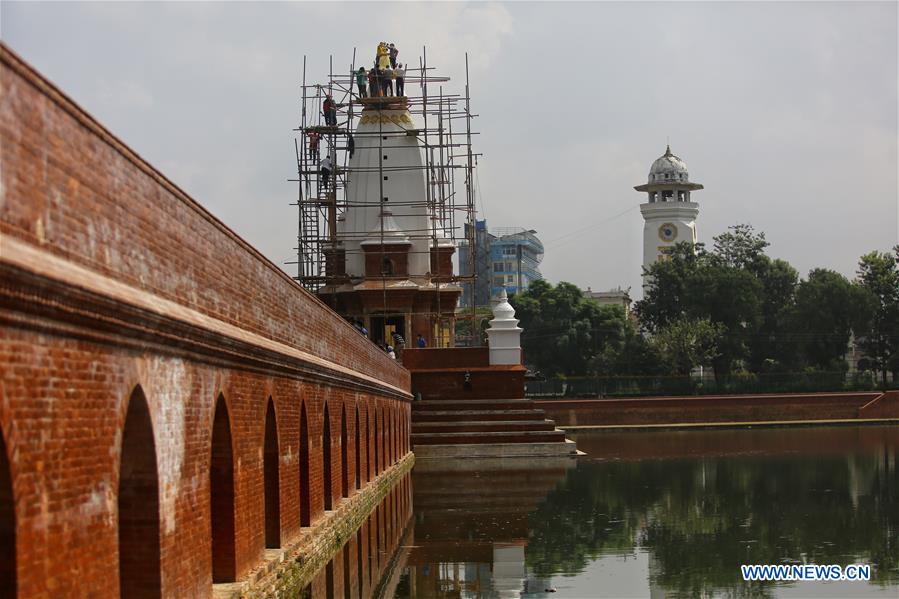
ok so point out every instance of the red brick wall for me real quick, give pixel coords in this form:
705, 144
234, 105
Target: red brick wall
112, 280
662, 444
415, 358
375, 255
494, 382
733, 408
882, 406
75, 190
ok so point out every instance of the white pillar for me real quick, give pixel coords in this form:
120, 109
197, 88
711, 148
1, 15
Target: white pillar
504, 334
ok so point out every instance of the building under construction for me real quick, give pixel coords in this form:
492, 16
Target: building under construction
385, 191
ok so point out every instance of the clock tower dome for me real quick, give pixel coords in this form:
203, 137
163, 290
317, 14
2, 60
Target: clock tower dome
669, 214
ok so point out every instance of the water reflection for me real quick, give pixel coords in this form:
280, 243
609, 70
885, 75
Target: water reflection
660, 514
367, 565
472, 523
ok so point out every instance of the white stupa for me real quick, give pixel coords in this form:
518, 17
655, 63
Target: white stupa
504, 334
386, 143
391, 267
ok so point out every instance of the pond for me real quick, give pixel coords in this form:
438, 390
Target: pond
658, 514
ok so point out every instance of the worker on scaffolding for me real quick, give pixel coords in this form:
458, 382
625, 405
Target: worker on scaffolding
388, 81
329, 109
374, 84
325, 169
400, 73
393, 54
314, 138
360, 81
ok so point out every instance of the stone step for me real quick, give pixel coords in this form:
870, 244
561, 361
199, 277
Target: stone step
488, 437
472, 404
483, 426
463, 415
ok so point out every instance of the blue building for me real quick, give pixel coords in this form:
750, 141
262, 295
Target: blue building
515, 256
507, 257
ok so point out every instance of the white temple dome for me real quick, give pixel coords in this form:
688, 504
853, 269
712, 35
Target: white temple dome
668, 167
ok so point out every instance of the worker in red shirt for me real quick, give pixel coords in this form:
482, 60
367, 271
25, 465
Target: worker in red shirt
314, 138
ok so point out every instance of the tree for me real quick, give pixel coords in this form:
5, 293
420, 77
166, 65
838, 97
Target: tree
772, 345
742, 248
634, 355
826, 311
667, 294
732, 298
688, 343
722, 287
563, 330
878, 273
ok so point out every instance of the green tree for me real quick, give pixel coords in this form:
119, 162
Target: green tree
669, 288
732, 298
826, 311
742, 248
878, 273
563, 330
688, 343
721, 286
634, 355
772, 345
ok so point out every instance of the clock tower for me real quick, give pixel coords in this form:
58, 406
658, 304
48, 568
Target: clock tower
669, 214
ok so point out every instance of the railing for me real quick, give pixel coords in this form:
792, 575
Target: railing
639, 386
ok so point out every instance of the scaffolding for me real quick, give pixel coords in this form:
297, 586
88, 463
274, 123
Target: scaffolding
443, 128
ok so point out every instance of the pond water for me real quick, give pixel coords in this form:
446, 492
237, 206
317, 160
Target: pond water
644, 514
658, 514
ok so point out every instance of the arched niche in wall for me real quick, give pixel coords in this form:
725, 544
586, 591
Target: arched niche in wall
272, 488
221, 496
358, 452
7, 527
305, 504
326, 461
344, 457
138, 504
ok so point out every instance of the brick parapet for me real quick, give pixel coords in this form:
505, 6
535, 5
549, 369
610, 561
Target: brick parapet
116, 287
72, 188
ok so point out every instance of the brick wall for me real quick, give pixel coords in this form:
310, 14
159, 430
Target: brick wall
114, 285
72, 188
709, 409
415, 358
493, 382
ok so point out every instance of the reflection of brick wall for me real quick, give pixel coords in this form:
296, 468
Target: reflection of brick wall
112, 280
734, 408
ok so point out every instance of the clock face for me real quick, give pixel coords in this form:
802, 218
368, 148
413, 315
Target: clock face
668, 232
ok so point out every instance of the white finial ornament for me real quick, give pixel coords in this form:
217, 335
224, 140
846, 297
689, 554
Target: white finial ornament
504, 334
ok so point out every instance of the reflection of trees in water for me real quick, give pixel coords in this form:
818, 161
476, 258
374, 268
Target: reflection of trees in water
702, 519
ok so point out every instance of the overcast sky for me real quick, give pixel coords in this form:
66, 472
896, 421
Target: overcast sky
786, 112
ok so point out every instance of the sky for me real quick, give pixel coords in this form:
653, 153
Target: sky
785, 112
